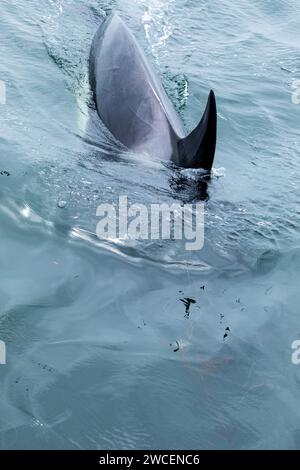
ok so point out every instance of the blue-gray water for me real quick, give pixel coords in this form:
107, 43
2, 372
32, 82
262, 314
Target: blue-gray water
91, 326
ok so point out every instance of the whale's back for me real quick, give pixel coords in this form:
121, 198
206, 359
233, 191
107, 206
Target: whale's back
133, 105
129, 97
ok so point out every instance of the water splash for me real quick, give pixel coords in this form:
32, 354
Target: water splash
158, 25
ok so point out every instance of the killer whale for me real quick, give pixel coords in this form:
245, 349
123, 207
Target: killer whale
133, 105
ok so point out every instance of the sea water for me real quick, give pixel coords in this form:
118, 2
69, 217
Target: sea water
116, 343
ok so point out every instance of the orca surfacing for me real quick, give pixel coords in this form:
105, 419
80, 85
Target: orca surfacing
131, 102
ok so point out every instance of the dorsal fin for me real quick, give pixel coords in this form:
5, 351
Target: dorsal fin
197, 150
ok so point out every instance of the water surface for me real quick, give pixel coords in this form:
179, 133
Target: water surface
100, 350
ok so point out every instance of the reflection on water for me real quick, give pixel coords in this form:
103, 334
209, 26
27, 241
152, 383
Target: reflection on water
114, 344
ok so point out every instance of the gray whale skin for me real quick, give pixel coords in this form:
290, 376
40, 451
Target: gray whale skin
133, 105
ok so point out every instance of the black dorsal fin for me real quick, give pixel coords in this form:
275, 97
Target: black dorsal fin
197, 150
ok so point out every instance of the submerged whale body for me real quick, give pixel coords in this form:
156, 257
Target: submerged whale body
133, 105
